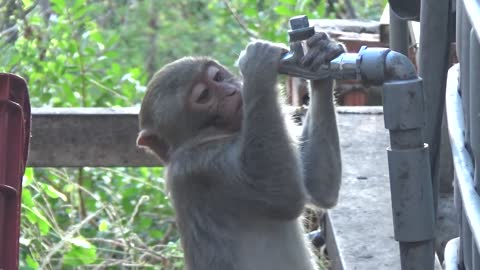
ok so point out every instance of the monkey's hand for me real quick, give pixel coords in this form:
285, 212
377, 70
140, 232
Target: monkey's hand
321, 50
260, 61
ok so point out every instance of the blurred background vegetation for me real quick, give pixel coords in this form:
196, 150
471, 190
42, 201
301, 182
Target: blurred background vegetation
101, 53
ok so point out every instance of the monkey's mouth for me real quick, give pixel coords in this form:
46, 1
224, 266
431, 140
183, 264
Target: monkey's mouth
239, 105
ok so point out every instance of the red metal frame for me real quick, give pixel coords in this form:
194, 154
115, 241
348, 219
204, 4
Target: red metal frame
14, 139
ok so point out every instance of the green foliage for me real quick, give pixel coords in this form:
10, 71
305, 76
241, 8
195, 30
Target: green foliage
128, 219
101, 54
370, 9
70, 62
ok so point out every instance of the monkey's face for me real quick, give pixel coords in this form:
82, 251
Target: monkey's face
216, 94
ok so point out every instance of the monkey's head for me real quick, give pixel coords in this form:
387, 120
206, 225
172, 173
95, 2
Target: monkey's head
189, 99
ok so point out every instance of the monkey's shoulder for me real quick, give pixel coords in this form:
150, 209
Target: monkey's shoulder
206, 160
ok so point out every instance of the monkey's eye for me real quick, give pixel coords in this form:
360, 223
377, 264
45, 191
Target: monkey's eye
214, 73
218, 77
204, 96
201, 94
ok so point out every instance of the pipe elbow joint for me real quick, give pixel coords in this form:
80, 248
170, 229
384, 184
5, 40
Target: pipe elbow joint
398, 67
379, 65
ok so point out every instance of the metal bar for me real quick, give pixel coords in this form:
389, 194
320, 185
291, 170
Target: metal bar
475, 104
465, 75
475, 124
459, 210
455, 82
461, 157
433, 65
472, 8
466, 243
398, 33
475, 257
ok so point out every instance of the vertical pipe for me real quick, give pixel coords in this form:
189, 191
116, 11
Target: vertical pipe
433, 65
475, 256
417, 255
475, 125
398, 34
475, 105
410, 174
460, 16
459, 210
465, 73
467, 243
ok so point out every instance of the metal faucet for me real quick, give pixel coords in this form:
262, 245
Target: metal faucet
371, 65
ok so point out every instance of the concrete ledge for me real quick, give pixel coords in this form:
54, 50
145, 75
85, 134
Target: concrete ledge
97, 137
361, 223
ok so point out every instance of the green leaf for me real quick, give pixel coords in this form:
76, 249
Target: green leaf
250, 12
145, 222
69, 188
77, 256
31, 262
27, 198
34, 216
28, 177
26, 3
58, 6
103, 226
283, 10
43, 226
79, 241
78, 4
290, 2
157, 234
96, 36
52, 192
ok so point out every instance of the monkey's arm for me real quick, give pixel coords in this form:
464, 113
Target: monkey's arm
319, 147
267, 154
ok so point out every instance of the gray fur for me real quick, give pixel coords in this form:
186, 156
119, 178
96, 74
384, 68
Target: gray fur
238, 197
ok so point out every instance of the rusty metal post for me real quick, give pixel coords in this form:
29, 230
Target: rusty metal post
14, 138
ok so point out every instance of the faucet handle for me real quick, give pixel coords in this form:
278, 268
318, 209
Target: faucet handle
300, 28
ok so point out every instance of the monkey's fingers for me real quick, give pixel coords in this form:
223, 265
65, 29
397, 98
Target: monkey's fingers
318, 61
311, 54
334, 51
317, 39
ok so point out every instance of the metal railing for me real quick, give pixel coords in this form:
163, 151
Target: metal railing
463, 115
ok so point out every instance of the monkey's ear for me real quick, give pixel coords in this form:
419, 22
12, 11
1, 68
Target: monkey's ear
155, 144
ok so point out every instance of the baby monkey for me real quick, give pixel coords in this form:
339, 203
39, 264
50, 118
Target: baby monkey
237, 181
